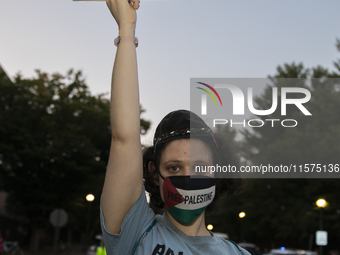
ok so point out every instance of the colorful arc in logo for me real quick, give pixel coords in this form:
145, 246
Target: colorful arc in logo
213, 90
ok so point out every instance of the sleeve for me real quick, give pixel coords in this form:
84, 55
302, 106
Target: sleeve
136, 221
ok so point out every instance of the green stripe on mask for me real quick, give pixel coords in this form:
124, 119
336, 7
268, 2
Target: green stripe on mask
186, 216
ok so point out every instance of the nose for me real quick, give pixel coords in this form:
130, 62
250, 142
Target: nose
187, 171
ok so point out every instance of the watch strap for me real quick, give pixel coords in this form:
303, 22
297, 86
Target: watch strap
126, 38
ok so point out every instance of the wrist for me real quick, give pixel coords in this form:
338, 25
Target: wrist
127, 31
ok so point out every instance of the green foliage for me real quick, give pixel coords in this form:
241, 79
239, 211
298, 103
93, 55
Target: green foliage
283, 211
55, 137
54, 147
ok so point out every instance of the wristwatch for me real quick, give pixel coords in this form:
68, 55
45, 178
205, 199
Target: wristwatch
130, 38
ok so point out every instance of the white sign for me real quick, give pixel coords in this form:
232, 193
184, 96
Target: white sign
58, 217
321, 238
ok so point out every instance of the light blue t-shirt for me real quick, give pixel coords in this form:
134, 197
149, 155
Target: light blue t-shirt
163, 238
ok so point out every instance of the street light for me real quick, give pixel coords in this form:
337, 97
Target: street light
89, 198
210, 227
321, 203
241, 215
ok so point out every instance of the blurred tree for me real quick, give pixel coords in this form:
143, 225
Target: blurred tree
283, 211
54, 146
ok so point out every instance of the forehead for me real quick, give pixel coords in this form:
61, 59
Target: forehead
187, 150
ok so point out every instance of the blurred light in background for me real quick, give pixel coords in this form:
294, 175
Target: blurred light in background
321, 203
210, 227
90, 197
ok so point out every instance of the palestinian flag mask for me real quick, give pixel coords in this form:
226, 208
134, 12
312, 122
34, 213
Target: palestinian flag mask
187, 197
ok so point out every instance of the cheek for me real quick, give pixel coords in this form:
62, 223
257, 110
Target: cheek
160, 181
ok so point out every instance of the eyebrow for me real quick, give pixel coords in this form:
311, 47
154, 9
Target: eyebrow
171, 161
196, 162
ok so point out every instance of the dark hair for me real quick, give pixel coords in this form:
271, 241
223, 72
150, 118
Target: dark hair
224, 155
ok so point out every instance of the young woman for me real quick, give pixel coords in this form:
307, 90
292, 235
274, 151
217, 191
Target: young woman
129, 225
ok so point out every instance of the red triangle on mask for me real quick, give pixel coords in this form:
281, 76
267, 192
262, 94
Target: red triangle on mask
171, 195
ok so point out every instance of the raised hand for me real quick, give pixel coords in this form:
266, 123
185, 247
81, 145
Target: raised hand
124, 12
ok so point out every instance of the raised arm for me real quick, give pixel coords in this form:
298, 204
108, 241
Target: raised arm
124, 177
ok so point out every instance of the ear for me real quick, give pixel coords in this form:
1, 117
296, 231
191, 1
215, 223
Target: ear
152, 168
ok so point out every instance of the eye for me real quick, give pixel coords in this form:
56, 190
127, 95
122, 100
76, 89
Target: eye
173, 169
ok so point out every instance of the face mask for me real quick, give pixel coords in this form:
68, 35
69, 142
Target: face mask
186, 197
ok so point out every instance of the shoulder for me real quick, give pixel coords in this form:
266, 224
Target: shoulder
135, 223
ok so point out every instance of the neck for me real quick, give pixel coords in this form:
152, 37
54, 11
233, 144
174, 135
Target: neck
195, 228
